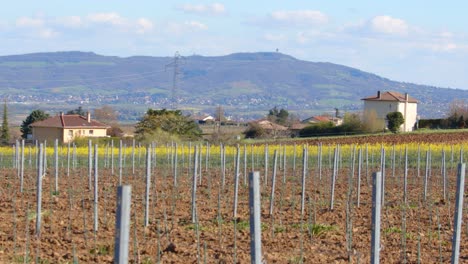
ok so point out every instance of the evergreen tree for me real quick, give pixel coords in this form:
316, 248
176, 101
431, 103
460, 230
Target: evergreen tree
395, 120
5, 132
77, 111
278, 116
36, 115
171, 122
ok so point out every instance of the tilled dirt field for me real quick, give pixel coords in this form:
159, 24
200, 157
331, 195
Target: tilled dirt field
455, 137
319, 236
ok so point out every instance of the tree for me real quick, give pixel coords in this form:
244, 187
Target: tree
254, 131
219, 116
34, 116
5, 132
457, 110
371, 123
106, 114
168, 121
278, 116
351, 123
461, 122
395, 120
77, 111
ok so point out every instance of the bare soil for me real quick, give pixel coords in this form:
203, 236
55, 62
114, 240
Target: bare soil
317, 236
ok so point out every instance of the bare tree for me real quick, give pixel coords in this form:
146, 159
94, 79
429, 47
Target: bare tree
458, 113
106, 114
371, 123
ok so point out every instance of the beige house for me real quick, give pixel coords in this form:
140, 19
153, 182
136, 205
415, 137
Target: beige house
387, 102
65, 128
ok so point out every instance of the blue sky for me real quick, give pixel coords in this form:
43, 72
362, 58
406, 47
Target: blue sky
417, 41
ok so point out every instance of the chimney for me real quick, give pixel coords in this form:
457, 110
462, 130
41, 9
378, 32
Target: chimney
378, 94
89, 117
406, 97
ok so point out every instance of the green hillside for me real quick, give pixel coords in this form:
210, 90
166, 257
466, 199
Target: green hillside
246, 84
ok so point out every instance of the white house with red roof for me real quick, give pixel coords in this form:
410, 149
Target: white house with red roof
387, 102
65, 128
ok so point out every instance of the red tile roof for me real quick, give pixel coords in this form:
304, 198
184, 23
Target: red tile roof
390, 96
69, 121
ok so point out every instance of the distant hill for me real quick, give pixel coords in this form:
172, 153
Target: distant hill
245, 84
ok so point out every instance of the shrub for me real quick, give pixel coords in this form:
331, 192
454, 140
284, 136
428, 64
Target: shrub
395, 120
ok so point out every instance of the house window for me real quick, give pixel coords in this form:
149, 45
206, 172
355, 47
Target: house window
70, 133
91, 132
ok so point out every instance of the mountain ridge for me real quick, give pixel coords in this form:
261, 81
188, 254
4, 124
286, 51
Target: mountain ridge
246, 84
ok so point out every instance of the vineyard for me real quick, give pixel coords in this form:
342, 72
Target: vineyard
190, 201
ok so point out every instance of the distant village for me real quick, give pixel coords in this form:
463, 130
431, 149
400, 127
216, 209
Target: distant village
277, 123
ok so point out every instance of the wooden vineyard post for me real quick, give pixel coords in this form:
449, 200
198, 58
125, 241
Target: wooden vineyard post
133, 157
458, 213
273, 182
56, 165
405, 180
304, 174
382, 171
148, 184
333, 180
68, 159
16, 156
319, 160
120, 162
44, 170
265, 176
255, 224
174, 161
236, 182
112, 157
444, 175
122, 224
96, 156
90, 162
22, 166
194, 185
39, 190
245, 165
359, 177
376, 210
426, 175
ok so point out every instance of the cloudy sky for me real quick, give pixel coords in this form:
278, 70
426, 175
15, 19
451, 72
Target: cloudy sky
420, 41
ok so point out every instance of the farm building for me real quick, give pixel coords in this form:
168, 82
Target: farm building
317, 119
387, 102
65, 128
203, 119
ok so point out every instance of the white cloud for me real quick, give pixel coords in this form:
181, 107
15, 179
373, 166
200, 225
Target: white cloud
196, 25
187, 27
299, 17
107, 18
47, 33
70, 21
389, 25
302, 38
208, 9
144, 25
29, 22
274, 37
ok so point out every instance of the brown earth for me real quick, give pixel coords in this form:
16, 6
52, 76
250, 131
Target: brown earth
67, 218
457, 136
